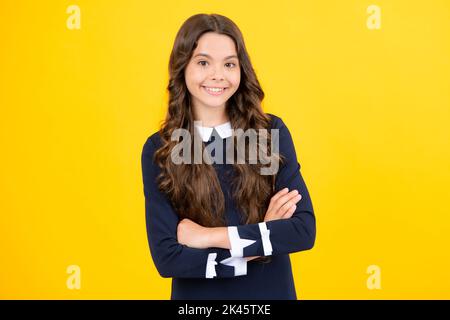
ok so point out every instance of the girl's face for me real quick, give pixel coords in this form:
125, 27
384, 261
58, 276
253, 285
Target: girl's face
213, 74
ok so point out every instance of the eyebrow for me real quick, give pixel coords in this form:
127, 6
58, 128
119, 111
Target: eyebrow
208, 56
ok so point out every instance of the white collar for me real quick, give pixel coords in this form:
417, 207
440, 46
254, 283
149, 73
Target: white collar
224, 130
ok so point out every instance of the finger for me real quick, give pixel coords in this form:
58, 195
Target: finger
285, 207
283, 199
274, 207
277, 195
289, 212
280, 193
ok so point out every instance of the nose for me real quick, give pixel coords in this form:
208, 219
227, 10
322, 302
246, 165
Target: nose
217, 74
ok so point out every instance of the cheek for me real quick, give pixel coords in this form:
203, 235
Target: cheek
235, 79
192, 77
193, 87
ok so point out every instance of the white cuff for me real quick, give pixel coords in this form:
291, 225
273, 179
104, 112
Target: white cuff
239, 264
265, 237
211, 265
237, 244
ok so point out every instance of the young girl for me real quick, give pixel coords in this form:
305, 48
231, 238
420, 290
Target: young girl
222, 230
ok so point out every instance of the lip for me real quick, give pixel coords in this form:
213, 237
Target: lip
214, 93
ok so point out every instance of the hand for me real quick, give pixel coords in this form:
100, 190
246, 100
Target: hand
251, 258
196, 236
282, 205
192, 234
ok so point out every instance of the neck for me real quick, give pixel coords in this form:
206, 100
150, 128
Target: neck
210, 116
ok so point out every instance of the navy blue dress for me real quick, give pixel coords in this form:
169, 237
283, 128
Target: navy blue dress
217, 273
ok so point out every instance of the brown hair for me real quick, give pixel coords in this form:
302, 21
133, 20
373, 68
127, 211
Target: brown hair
194, 189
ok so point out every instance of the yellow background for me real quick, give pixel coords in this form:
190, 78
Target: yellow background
368, 111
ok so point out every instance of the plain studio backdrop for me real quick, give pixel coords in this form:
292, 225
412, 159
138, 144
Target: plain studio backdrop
363, 88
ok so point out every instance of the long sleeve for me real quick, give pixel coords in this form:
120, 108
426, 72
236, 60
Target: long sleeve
171, 258
282, 236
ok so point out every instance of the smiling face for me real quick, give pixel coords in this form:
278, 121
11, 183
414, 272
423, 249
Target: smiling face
213, 74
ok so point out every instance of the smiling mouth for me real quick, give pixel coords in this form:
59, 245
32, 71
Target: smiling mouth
215, 91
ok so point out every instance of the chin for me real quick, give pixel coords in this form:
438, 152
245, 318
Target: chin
214, 104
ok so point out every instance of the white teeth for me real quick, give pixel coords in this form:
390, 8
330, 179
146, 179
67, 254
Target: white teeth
214, 89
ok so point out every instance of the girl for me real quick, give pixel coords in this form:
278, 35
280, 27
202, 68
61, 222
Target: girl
221, 230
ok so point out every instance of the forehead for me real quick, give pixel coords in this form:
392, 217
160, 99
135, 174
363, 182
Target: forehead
215, 45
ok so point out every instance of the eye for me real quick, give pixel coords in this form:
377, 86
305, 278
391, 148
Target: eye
228, 63
200, 62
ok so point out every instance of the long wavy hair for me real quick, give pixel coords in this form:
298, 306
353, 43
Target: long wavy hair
194, 189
